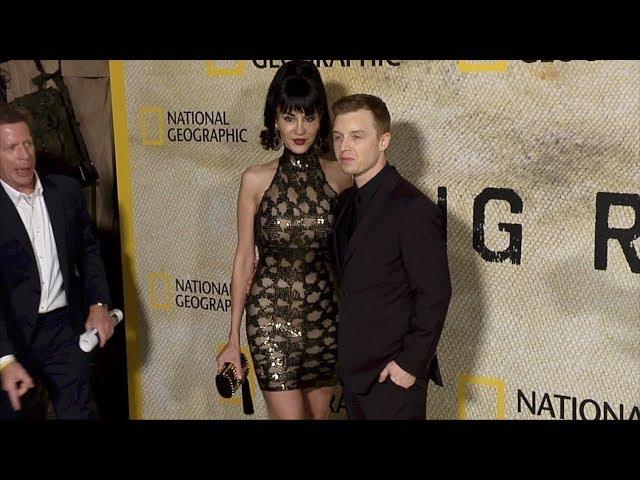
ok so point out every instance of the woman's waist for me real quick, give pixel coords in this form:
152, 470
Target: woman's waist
295, 252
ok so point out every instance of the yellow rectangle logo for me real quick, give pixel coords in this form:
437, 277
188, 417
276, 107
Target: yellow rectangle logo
497, 383
152, 116
160, 290
465, 66
215, 70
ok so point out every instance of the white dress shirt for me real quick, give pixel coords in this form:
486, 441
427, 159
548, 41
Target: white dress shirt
35, 217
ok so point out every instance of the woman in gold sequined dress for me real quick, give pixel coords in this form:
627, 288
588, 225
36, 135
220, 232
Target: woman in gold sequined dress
286, 208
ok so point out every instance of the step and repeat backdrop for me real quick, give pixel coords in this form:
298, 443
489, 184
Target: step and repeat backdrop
536, 164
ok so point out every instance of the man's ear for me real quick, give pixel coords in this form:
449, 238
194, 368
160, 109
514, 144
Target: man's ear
384, 141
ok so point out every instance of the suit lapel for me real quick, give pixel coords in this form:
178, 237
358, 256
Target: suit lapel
14, 225
373, 211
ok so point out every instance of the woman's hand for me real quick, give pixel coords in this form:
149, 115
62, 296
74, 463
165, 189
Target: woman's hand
230, 354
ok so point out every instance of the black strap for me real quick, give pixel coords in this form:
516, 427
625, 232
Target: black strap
247, 402
88, 171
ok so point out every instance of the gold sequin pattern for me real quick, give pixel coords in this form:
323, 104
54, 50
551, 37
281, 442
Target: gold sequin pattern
291, 310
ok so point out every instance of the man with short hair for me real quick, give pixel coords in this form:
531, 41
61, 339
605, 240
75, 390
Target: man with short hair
51, 272
392, 263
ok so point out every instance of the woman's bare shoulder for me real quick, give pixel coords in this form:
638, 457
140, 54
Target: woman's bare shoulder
257, 175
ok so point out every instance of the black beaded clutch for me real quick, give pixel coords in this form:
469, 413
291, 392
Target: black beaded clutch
227, 383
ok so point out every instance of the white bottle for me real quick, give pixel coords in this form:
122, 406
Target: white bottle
88, 340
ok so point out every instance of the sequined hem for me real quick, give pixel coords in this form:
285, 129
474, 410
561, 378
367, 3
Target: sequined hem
302, 385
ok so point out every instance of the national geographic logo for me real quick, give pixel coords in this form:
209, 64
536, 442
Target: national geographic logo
497, 384
466, 66
543, 404
330, 63
495, 66
158, 126
227, 68
568, 407
151, 125
166, 292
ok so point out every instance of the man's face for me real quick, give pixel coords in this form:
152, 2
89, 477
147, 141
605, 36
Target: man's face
357, 144
17, 156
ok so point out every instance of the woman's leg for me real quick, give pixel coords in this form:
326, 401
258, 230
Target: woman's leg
318, 401
286, 405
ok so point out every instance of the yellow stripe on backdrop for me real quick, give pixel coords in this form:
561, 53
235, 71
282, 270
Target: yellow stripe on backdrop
127, 236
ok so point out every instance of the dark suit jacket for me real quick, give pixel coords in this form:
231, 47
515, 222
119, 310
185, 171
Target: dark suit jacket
395, 285
83, 274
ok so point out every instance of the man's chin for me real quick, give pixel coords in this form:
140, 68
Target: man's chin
346, 169
25, 181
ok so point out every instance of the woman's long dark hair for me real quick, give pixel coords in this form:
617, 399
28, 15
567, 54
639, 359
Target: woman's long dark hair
296, 87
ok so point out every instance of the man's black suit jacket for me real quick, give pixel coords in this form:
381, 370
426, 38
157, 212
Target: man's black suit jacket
394, 285
84, 279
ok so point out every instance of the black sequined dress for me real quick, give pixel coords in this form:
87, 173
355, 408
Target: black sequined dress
291, 309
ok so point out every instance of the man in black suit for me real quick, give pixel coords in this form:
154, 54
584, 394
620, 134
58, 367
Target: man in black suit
51, 272
393, 269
